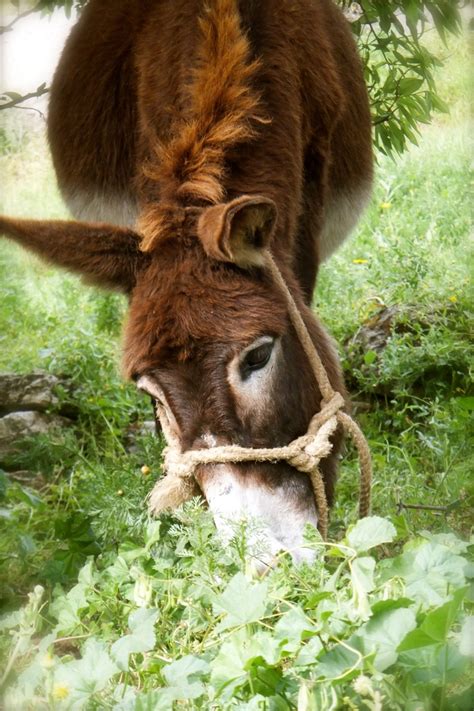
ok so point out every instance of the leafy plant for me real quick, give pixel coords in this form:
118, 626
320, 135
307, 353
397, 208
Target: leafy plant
399, 67
177, 621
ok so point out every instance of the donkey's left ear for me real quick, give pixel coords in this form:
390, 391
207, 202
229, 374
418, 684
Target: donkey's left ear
238, 231
105, 255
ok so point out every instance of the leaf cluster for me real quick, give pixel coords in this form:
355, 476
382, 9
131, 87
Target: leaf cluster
399, 67
178, 619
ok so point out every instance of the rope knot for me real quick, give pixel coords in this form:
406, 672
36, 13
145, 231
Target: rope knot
307, 451
177, 463
303, 458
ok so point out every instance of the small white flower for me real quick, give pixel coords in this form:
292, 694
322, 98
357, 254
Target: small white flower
142, 591
363, 686
47, 661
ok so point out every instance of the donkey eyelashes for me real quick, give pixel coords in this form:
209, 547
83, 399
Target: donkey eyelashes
256, 357
148, 385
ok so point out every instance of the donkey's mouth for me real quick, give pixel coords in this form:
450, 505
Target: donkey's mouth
274, 500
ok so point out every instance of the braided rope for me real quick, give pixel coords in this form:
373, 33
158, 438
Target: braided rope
303, 453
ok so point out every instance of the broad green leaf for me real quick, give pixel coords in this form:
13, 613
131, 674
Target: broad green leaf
370, 532
124, 698
153, 534
436, 625
238, 652
309, 652
291, 627
184, 669
434, 569
66, 608
466, 402
265, 679
242, 602
383, 633
434, 665
429, 570
339, 662
447, 539
155, 700
82, 678
86, 575
466, 640
142, 638
119, 570
409, 85
362, 576
370, 357
384, 605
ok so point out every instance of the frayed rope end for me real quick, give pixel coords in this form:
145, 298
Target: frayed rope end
170, 492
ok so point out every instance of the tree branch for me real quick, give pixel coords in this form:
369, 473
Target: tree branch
427, 507
15, 99
9, 27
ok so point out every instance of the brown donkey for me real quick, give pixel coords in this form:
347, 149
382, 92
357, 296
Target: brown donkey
211, 130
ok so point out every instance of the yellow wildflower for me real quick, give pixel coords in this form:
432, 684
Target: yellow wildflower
60, 691
453, 298
385, 205
145, 470
360, 261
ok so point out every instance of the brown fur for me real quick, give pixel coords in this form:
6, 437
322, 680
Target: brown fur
219, 111
225, 127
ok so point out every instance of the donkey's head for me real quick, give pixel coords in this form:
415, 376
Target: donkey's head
208, 337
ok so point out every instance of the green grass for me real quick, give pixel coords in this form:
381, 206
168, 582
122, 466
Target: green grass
413, 400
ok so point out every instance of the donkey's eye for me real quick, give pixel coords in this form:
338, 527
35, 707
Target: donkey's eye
256, 359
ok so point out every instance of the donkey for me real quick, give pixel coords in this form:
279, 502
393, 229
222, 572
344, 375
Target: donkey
188, 137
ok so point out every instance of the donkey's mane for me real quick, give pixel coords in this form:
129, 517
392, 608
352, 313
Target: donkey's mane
222, 110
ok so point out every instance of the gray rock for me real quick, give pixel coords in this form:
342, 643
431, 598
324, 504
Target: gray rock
32, 391
375, 333
135, 432
17, 426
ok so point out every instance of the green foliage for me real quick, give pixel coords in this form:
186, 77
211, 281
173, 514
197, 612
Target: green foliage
399, 67
322, 632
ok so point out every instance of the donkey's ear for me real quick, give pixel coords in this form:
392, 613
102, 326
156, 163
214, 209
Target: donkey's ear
104, 255
238, 231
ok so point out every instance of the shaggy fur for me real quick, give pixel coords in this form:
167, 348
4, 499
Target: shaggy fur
218, 127
219, 112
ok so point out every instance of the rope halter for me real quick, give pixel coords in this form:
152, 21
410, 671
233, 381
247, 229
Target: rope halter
303, 453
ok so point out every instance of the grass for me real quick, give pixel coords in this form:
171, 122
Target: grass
413, 400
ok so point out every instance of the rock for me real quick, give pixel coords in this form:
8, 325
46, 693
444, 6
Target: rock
33, 391
374, 334
25, 477
368, 370
148, 427
16, 426
136, 431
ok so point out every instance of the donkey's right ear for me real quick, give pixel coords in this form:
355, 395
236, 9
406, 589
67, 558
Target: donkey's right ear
238, 231
104, 255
